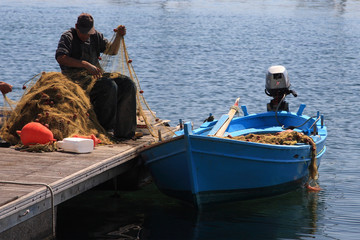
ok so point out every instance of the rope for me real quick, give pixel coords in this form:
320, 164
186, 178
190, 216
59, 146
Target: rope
52, 199
32, 82
8, 101
293, 127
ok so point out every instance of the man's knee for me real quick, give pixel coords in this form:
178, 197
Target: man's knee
129, 83
105, 87
126, 85
109, 84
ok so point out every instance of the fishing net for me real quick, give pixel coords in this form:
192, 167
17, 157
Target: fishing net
6, 109
61, 102
58, 103
285, 138
148, 122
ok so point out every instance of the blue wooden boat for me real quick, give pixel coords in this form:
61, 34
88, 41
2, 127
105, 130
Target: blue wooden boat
199, 168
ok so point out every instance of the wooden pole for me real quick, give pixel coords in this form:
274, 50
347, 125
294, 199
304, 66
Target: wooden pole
232, 112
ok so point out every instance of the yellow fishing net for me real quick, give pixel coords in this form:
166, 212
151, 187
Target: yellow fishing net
148, 122
58, 103
61, 102
6, 110
285, 138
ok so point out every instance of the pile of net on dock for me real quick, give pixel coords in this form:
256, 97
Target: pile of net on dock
58, 103
288, 137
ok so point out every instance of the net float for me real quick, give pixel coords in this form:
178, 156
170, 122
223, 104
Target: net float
35, 133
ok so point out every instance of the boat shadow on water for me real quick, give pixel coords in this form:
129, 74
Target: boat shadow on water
148, 214
287, 216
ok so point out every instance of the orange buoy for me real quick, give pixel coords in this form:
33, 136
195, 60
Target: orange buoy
34, 133
312, 188
92, 136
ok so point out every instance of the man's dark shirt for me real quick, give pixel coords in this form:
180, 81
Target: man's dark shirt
71, 45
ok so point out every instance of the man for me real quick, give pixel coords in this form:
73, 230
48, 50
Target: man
5, 87
114, 100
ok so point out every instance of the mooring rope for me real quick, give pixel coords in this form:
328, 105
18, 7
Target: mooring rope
52, 199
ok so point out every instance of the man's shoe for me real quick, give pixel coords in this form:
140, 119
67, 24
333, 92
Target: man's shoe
110, 132
138, 135
4, 144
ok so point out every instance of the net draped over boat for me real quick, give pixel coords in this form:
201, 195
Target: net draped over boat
61, 102
288, 137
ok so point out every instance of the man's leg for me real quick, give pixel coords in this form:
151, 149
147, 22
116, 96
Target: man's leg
125, 124
103, 98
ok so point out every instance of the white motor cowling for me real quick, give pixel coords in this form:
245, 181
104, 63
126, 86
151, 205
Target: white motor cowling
277, 85
277, 80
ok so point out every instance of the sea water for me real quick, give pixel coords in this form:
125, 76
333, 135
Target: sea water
194, 58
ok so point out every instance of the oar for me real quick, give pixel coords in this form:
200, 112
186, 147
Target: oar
223, 123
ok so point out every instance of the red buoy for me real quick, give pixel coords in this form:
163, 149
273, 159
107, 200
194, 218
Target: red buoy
34, 133
312, 188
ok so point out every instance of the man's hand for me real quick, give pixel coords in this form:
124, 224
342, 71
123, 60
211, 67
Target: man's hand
121, 30
5, 87
113, 48
72, 62
93, 70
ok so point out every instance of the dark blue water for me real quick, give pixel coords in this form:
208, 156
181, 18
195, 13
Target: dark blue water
194, 58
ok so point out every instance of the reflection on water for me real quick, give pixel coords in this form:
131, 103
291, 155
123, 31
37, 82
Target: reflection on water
148, 214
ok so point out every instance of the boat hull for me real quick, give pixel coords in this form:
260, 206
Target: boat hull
201, 169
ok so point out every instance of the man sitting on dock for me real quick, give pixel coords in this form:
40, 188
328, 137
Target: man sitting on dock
113, 99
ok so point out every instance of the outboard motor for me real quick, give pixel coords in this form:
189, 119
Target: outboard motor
278, 86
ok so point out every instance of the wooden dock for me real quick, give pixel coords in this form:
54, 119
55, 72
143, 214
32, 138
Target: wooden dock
33, 184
